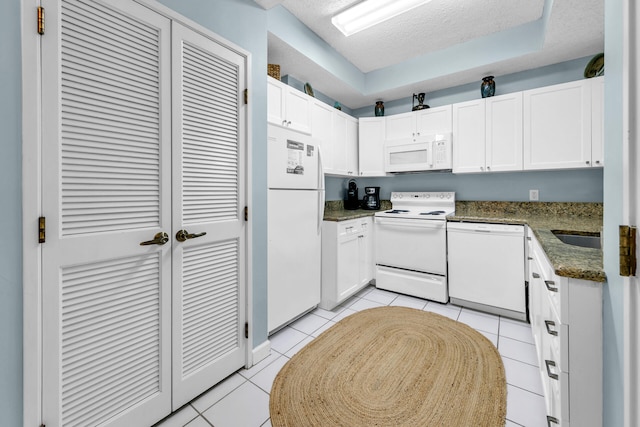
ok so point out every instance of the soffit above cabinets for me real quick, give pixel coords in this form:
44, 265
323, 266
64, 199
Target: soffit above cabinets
559, 31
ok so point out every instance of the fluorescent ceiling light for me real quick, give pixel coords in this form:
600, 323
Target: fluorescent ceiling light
371, 12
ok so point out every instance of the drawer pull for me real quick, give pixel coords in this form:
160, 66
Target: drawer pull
535, 275
551, 285
551, 419
549, 363
548, 323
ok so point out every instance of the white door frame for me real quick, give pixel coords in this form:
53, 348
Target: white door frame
631, 208
32, 193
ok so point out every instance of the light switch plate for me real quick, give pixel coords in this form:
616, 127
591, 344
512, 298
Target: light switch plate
533, 195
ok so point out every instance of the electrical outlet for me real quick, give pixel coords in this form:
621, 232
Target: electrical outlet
533, 195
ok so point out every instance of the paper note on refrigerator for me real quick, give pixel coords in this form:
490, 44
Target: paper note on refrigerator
295, 152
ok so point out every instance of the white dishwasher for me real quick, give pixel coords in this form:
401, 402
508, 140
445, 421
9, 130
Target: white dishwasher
487, 267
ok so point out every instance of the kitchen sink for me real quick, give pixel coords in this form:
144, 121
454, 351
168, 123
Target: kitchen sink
585, 240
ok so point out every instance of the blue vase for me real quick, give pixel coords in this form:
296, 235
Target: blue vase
488, 87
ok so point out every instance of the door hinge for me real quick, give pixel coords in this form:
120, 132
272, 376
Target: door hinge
628, 261
246, 96
246, 213
42, 229
40, 20
246, 330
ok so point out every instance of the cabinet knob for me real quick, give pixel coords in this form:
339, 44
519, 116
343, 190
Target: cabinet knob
588, 162
597, 162
284, 123
481, 168
289, 123
488, 168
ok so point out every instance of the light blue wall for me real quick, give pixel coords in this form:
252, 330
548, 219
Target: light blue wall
554, 186
613, 204
10, 216
530, 79
244, 23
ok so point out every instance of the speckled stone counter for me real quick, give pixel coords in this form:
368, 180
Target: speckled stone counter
543, 217
334, 211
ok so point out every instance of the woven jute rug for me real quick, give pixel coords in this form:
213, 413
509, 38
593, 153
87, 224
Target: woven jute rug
392, 366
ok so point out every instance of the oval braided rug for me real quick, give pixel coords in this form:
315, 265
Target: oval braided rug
392, 366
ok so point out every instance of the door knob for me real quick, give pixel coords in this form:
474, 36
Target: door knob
184, 235
159, 239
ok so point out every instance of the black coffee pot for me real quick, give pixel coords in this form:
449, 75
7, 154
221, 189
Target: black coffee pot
371, 199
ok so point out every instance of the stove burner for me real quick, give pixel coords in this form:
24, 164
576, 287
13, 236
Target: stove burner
432, 213
397, 211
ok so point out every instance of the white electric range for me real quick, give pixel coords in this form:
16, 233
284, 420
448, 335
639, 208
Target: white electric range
411, 244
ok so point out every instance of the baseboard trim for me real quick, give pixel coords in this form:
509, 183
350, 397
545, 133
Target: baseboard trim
261, 352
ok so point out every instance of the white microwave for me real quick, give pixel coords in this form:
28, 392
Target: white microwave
426, 153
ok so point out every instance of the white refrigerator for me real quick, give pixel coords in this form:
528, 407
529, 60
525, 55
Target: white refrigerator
295, 212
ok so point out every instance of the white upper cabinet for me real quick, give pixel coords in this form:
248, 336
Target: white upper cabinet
557, 126
345, 145
288, 107
469, 136
337, 134
504, 132
417, 123
487, 134
322, 130
371, 146
597, 121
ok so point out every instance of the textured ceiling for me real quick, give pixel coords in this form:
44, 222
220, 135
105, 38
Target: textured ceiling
575, 29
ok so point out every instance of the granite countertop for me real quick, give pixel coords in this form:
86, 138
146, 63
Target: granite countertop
567, 260
542, 217
334, 211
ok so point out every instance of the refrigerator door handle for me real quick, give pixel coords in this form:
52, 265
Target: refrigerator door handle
321, 195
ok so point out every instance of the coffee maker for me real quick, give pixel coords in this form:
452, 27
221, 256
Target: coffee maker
352, 201
371, 199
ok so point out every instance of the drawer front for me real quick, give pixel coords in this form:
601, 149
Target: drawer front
348, 227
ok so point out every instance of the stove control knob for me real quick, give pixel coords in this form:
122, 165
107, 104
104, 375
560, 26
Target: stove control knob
441, 196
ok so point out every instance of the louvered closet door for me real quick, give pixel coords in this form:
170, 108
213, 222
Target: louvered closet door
106, 188
209, 197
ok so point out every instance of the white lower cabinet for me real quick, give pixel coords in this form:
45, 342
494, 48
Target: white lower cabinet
347, 259
566, 320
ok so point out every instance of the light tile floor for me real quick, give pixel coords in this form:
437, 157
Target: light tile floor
242, 400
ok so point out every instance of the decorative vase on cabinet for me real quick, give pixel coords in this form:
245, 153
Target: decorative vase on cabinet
488, 87
379, 108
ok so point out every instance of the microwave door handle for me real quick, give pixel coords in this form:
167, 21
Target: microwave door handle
430, 154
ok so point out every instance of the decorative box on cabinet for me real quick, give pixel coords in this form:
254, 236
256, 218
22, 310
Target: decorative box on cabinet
487, 134
288, 107
566, 321
557, 126
416, 123
347, 259
371, 146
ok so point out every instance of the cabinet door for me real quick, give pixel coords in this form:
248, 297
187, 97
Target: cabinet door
348, 262
366, 251
400, 126
469, 136
275, 102
433, 121
597, 121
322, 129
371, 146
339, 144
557, 126
504, 132
351, 145
298, 110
